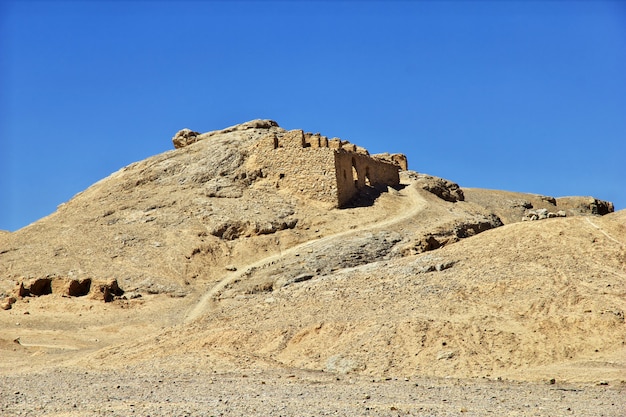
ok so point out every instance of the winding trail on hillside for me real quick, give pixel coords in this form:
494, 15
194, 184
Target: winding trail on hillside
415, 205
603, 232
45, 345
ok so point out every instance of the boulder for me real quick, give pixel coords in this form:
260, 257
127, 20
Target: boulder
540, 214
8, 303
442, 188
185, 137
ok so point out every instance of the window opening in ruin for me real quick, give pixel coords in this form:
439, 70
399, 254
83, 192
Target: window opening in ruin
345, 176
79, 288
355, 174
41, 286
368, 181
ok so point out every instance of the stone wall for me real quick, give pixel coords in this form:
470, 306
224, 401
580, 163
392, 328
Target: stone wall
355, 171
285, 161
328, 170
395, 158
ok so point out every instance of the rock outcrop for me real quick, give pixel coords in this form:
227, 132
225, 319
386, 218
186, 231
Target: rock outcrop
513, 207
585, 205
8, 303
185, 137
451, 233
442, 188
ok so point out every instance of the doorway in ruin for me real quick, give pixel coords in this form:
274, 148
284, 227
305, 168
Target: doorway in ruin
355, 174
368, 181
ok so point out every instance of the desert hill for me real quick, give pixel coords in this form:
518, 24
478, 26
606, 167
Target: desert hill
220, 266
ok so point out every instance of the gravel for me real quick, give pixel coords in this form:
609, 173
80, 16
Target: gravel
183, 392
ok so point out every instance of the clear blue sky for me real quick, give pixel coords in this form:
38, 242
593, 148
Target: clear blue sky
521, 96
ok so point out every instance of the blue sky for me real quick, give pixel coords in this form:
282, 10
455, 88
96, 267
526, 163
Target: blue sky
520, 96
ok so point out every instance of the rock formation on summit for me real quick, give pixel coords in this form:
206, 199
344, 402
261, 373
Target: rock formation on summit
186, 137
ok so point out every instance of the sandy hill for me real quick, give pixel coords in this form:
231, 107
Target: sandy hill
219, 267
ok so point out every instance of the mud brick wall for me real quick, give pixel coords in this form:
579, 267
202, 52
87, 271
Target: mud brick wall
355, 171
328, 170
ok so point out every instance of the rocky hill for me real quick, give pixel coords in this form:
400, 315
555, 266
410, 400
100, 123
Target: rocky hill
203, 258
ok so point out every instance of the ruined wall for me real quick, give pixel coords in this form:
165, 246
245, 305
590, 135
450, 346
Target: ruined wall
309, 171
355, 171
394, 158
328, 170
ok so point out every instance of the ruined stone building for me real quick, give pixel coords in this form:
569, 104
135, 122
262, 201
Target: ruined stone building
311, 165
329, 170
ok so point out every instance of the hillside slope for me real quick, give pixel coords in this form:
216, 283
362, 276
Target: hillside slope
222, 270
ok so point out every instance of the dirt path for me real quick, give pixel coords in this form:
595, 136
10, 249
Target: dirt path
46, 345
415, 205
603, 232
